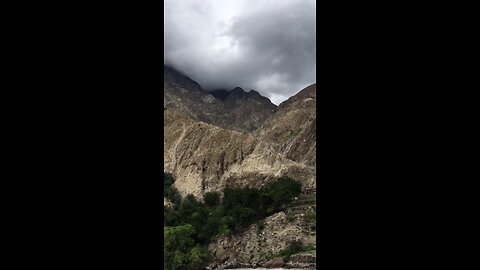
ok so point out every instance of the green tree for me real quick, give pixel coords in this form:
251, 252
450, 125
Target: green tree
282, 192
178, 242
181, 251
168, 181
196, 224
171, 217
210, 229
189, 206
211, 199
174, 196
198, 258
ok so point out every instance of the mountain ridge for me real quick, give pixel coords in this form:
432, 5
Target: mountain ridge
208, 146
236, 110
211, 144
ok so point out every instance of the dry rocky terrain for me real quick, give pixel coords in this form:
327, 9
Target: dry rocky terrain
237, 138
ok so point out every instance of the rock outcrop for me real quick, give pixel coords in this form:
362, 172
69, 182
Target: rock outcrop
253, 248
292, 128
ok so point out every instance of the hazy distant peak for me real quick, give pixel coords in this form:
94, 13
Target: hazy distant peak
235, 109
181, 79
220, 93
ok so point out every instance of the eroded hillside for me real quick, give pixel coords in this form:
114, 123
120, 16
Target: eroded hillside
237, 139
205, 154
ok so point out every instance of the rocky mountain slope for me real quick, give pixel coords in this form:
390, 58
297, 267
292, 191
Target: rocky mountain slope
207, 148
257, 248
292, 129
235, 110
236, 138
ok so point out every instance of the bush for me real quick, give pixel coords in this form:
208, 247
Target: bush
260, 226
198, 258
209, 230
174, 196
198, 220
168, 181
171, 217
178, 238
170, 192
282, 192
189, 206
181, 251
227, 224
294, 247
211, 199
242, 216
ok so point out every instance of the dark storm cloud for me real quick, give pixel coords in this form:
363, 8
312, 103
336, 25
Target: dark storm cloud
264, 45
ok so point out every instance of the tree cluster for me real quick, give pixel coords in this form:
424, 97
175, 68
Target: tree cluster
197, 223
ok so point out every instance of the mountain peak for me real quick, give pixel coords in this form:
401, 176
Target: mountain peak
235, 109
238, 90
179, 78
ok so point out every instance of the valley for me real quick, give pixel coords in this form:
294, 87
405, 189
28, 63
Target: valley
239, 140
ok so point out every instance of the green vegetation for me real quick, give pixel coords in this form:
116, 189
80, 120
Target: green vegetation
310, 215
294, 247
260, 226
194, 224
169, 191
212, 199
180, 250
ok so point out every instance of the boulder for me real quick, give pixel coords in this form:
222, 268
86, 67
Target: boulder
221, 255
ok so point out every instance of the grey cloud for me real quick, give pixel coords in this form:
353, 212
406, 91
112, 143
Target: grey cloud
269, 48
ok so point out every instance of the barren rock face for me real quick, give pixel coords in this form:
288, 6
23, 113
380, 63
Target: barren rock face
234, 138
251, 247
207, 158
208, 147
234, 110
199, 154
292, 129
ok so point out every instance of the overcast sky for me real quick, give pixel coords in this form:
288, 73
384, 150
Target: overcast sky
265, 45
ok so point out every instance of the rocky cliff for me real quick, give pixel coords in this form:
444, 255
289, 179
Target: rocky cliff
236, 138
259, 248
292, 128
208, 149
235, 110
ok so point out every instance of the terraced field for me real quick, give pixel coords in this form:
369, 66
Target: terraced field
304, 208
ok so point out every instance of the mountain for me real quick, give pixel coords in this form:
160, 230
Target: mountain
236, 138
292, 129
236, 110
241, 139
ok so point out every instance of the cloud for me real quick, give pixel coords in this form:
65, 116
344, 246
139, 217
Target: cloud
269, 46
